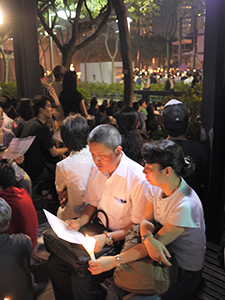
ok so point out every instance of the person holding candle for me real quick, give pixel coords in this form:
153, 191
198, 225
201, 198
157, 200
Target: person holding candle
175, 205
116, 185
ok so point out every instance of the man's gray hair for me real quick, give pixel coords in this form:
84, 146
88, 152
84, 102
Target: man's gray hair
106, 134
5, 215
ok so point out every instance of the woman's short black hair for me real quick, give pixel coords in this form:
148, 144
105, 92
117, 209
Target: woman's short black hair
74, 132
166, 153
7, 175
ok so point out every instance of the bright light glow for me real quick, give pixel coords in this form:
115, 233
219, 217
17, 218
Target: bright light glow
72, 68
1, 20
78, 74
63, 15
89, 245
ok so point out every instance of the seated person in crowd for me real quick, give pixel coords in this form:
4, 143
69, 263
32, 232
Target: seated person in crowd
25, 113
72, 172
41, 157
15, 254
5, 104
24, 216
132, 140
6, 135
175, 120
93, 110
176, 207
117, 185
22, 179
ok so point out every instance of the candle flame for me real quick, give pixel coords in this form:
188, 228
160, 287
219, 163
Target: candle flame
89, 245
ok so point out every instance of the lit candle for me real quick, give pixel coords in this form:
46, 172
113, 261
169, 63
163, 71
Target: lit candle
89, 245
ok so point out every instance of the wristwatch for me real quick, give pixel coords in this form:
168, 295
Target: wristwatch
109, 239
144, 236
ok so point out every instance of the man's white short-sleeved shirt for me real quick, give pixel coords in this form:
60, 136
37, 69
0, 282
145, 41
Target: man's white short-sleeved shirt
183, 208
122, 195
72, 172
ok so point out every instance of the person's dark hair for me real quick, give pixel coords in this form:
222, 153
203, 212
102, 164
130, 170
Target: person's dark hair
102, 108
136, 105
132, 141
7, 175
141, 102
5, 215
42, 71
120, 104
5, 102
39, 102
74, 132
105, 134
24, 109
58, 72
150, 112
127, 119
105, 102
111, 109
70, 80
166, 153
93, 102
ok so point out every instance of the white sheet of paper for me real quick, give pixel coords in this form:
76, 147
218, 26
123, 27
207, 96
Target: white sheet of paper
18, 146
60, 229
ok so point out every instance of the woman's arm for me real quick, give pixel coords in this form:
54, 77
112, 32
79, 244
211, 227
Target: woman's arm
106, 263
83, 109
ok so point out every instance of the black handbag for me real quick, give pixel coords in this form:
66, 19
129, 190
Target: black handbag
75, 254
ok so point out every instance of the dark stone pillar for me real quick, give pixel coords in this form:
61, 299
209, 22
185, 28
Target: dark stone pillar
24, 29
213, 114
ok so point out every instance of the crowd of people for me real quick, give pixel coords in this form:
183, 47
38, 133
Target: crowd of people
145, 78
100, 157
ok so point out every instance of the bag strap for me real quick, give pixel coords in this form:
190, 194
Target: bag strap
95, 214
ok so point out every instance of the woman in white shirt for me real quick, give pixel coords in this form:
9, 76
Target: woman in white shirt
173, 204
72, 172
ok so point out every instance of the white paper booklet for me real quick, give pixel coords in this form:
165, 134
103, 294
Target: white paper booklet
18, 146
61, 230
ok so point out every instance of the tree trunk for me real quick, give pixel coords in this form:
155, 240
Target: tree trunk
67, 58
125, 47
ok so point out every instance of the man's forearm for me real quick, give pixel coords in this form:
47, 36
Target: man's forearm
87, 212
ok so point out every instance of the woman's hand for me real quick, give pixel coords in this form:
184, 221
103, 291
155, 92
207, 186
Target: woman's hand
63, 198
103, 264
73, 224
100, 242
19, 160
157, 251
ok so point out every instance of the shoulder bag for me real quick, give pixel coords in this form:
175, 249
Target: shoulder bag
144, 276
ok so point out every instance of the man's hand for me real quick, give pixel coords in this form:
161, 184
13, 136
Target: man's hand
73, 224
100, 242
157, 251
102, 264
